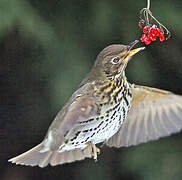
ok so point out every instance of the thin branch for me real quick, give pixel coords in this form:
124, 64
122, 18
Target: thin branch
148, 4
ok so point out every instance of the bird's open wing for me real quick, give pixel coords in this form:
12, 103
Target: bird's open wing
154, 113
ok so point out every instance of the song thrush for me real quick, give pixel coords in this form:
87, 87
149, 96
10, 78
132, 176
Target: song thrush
106, 108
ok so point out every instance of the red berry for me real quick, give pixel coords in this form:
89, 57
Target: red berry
151, 34
146, 29
154, 31
161, 36
158, 31
145, 39
148, 41
153, 37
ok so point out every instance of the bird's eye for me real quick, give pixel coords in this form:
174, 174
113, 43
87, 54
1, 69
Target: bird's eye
115, 60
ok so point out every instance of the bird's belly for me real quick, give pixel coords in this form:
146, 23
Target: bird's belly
111, 124
101, 128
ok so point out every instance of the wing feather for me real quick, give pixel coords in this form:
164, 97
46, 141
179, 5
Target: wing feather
154, 113
81, 107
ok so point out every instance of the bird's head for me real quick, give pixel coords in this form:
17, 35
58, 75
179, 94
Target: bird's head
112, 60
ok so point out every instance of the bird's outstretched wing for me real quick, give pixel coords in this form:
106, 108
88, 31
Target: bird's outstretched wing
154, 113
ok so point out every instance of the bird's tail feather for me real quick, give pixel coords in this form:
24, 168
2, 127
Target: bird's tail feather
34, 157
68, 157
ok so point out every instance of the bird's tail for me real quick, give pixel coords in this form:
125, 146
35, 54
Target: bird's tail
34, 157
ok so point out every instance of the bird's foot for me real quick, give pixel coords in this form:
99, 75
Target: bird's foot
92, 149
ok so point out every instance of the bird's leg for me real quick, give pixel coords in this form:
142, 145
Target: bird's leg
95, 150
92, 149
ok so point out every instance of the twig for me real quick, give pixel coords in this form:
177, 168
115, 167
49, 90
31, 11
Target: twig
148, 4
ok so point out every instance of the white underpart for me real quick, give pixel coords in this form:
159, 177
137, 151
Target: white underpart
106, 130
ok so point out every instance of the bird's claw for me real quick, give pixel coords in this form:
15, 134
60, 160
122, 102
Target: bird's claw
92, 149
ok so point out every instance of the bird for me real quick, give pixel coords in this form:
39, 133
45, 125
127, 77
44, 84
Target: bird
106, 109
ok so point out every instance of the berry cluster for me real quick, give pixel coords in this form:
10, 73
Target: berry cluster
151, 33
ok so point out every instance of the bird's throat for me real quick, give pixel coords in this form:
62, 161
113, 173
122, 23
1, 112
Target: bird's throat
112, 90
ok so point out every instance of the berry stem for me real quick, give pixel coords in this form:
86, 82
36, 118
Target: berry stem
161, 26
146, 14
148, 7
148, 4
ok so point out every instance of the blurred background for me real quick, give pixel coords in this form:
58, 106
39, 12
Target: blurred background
46, 49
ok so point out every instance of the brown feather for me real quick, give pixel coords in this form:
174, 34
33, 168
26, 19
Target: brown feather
34, 158
81, 106
141, 93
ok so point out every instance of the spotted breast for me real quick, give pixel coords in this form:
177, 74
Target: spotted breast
115, 99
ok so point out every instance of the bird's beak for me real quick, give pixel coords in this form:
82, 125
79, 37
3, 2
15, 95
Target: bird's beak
130, 53
134, 51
